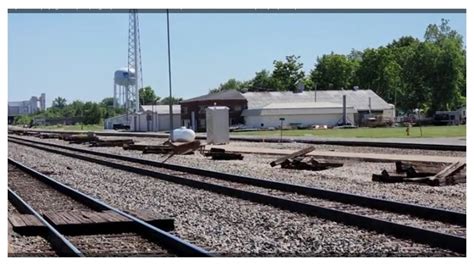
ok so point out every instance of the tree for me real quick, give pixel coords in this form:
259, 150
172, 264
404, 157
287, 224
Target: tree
59, 103
262, 81
286, 75
333, 71
147, 96
22, 120
92, 113
107, 102
380, 72
231, 84
166, 100
107, 108
447, 79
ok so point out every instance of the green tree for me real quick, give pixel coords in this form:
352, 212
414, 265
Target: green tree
59, 103
92, 113
107, 102
286, 75
166, 100
333, 71
262, 81
231, 84
447, 78
22, 120
380, 72
147, 96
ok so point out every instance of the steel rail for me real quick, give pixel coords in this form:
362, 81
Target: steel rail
380, 144
58, 242
437, 214
166, 240
424, 236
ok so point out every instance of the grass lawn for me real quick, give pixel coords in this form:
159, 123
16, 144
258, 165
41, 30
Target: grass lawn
395, 132
73, 127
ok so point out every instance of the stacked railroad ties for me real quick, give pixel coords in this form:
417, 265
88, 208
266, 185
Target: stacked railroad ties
167, 147
426, 173
431, 174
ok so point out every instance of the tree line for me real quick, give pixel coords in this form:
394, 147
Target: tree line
428, 74
91, 113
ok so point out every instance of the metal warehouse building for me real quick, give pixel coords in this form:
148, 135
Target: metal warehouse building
264, 109
313, 108
305, 114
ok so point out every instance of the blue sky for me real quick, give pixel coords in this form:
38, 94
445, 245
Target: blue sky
75, 55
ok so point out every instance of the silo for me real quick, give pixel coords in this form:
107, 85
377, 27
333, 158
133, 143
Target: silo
43, 101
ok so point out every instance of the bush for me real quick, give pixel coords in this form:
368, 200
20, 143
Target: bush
22, 120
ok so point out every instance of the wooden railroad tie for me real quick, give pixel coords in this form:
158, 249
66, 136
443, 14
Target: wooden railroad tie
222, 154
431, 174
80, 139
297, 161
137, 147
85, 222
49, 136
111, 143
183, 148
301, 152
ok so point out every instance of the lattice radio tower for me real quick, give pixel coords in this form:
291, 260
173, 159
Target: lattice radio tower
134, 61
128, 80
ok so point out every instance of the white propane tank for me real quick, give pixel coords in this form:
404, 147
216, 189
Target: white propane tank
183, 134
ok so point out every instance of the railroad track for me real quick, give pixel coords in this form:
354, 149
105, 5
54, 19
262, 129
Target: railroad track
20, 245
76, 224
379, 144
435, 227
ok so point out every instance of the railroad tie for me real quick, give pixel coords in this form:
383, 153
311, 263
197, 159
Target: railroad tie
84, 222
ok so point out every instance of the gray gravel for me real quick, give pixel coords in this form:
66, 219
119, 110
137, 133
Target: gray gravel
45, 199
319, 147
111, 245
221, 224
26, 246
379, 214
353, 177
39, 195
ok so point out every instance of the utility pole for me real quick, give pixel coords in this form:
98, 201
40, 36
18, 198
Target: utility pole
169, 74
281, 128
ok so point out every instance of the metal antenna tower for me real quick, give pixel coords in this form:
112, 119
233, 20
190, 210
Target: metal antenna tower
132, 101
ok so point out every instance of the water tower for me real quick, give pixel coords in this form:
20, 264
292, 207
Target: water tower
124, 88
128, 80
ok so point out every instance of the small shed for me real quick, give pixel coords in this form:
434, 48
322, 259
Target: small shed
217, 124
150, 118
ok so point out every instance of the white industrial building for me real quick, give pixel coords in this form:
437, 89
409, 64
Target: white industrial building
18, 108
312, 108
27, 107
149, 118
297, 114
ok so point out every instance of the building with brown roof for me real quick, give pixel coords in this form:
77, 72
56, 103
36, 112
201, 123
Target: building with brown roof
193, 111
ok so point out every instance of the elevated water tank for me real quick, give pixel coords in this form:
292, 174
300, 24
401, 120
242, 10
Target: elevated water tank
123, 77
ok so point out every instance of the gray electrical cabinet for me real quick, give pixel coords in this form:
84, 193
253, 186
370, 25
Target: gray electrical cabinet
217, 125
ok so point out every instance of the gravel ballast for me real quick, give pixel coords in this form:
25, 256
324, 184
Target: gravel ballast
26, 246
220, 224
379, 214
44, 199
353, 177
